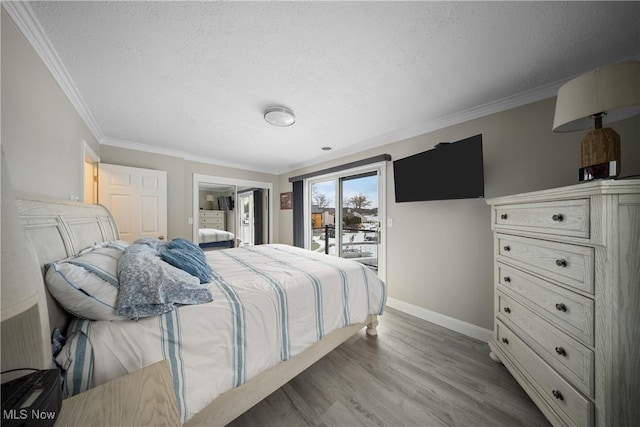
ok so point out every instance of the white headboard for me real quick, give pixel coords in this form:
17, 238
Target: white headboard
58, 229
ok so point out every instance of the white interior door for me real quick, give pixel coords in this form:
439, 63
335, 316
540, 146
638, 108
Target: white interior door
137, 199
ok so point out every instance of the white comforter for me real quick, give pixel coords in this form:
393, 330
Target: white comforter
270, 302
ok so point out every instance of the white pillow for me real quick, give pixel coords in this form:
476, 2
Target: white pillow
87, 285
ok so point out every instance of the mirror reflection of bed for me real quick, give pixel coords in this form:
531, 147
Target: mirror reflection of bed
231, 215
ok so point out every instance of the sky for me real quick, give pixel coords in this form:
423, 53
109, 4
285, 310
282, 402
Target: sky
367, 186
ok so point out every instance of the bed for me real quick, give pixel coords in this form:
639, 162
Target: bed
275, 311
214, 238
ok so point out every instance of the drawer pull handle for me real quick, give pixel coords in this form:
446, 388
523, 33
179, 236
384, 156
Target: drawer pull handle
503, 216
507, 279
561, 307
558, 217
504, 340
560, 351
507, 248
507, 310
557, 395
561, 262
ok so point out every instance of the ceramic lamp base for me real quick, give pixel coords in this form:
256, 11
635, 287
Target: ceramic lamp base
600, 146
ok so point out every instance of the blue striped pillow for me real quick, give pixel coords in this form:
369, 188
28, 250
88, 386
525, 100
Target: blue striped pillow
76, 359
87, 285
188, 257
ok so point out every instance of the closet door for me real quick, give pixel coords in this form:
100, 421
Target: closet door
137, 199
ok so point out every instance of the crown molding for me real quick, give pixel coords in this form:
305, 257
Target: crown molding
180, 154
538, 94
22, 15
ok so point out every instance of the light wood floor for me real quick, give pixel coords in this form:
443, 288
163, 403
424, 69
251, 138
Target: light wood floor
414, 373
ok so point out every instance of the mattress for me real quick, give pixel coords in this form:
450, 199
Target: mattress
270, 302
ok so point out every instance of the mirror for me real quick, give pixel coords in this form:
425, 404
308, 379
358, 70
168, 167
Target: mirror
231, 212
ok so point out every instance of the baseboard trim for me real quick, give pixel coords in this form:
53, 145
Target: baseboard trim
452, 323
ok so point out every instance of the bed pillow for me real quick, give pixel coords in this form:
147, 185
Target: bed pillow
75, 359
188, 257
117, 244
87, 285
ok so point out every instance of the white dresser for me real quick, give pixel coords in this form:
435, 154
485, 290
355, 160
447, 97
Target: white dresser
212, 219
567, 299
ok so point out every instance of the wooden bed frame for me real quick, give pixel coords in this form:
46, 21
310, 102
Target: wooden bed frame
58, 229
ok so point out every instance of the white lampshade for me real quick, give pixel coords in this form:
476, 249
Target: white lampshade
613, 90
209, 197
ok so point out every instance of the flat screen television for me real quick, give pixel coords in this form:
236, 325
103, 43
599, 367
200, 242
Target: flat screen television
225, 203
449, 171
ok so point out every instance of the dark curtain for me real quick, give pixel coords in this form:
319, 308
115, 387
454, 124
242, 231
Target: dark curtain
258, 217
298, 214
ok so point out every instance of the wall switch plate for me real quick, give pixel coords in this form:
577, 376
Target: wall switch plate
190, 221
389, 222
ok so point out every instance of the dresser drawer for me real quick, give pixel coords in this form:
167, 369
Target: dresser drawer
572, 265
569, 403
571, 312
211, 214
562, 218
212, 220
566, 355
211, 223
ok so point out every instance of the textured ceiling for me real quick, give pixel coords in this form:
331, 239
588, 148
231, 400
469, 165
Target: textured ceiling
194, 77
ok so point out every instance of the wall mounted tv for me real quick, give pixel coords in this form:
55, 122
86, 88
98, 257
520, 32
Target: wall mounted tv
225, 203
449, 171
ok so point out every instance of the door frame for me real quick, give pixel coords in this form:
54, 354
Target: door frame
381, 168
212, 179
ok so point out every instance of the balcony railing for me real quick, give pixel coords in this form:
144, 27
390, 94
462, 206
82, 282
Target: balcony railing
357, 243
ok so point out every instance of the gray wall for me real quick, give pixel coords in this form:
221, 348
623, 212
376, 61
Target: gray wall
41, 131
440, 252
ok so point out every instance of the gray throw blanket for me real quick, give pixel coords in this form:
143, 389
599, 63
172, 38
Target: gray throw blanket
150, 286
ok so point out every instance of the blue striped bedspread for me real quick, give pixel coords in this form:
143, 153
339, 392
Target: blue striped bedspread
270, 302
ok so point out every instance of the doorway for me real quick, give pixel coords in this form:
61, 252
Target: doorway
90, 161
246, 220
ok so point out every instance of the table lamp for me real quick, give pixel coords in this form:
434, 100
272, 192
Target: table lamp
210, 200
600, 97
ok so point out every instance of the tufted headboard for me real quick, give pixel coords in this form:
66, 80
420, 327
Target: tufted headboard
57, 229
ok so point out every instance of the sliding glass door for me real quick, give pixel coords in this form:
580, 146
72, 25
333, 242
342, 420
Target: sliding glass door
346, 214
360, 234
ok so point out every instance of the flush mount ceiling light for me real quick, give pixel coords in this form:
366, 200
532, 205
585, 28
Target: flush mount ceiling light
279, 116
